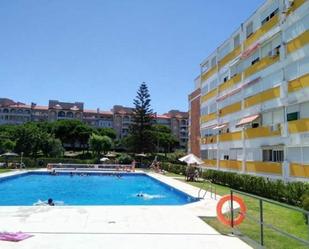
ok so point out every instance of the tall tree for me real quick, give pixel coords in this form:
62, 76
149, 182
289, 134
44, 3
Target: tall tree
140, 130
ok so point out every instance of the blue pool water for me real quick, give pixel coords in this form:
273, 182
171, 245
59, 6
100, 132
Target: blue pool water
95, 189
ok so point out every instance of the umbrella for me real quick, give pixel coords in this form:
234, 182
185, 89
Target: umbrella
10, 154
191, 159
103, 159
110, 154
141, 155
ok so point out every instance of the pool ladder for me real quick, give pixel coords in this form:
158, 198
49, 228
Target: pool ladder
210, 188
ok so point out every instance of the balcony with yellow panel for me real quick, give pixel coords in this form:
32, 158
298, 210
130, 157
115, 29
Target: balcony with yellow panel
299, 83
230, 109
299, 170
209, 95
230, 56
208, 117
296, 4
230, 164
209, 140
260, 65
231, 82
300, 125
209, 73
262, 30
264, 167
262, 97
232, 136
210, 163
252, 133
298, 42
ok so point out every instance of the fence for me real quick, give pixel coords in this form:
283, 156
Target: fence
261, 222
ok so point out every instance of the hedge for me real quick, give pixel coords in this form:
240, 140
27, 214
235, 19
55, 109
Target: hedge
290, 192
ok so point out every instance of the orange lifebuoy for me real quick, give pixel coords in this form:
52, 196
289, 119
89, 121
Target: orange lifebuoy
241, 216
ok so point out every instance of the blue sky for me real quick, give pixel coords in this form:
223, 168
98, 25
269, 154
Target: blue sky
99, 51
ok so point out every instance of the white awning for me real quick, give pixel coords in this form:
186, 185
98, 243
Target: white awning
219, 126
247, 120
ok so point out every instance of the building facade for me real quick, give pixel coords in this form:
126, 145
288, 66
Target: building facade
176, 120
18, 113
119, 118
194, 120
254, 96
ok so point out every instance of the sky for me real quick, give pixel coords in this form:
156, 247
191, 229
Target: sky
100, 51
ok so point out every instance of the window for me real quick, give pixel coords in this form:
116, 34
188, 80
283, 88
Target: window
225, 79
249, 29
236, 41
273, 155
205, 67
267, 18
292, 116
255, 60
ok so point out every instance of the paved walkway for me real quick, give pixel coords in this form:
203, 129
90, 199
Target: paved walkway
97, 227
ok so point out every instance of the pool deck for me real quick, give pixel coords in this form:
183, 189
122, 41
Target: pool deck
96, 227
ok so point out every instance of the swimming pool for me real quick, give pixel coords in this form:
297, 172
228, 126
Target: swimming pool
95, 189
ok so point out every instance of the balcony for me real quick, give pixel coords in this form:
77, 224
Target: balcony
233, 136
299, 83
211, 163
262, 97
297, 126
208, 117
299, 170
209, 73
230, 56
231, 164
298, 42
209, 95
260, 65
296, 5
230, 109
262, 30
263, 132
209, 140
231, 82
264, 167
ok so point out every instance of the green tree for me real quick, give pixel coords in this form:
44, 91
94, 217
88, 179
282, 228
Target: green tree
140, 130
29, 139
99, 144
52, 147
164, 138
71, 132
110, 132
7, 145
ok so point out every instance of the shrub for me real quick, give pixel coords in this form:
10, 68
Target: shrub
125, 159
294, 193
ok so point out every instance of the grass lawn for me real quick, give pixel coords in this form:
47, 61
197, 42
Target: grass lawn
4, 170
285, 219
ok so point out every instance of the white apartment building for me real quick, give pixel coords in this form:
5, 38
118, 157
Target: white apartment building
254, 107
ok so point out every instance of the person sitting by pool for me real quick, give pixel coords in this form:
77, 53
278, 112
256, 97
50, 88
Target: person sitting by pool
50, 202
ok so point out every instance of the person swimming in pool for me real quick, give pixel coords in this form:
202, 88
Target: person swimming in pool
50, 202
140, 194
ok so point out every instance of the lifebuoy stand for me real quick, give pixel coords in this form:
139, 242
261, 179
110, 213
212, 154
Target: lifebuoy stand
241, 216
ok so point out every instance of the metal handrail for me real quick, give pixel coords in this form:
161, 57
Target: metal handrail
261, 217
211, 188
